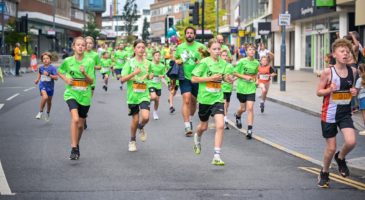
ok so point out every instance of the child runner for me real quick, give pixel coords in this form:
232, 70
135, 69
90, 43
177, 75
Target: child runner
360, 86
209, 74
136, 74
173, 85
155, 85
46, 76
246, 70
227, 87
106, 67
264, 77
120, 57
78, 73
336, 86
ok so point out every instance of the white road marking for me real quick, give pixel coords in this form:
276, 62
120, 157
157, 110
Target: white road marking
12, 97
31, 88
1, 105
4, 186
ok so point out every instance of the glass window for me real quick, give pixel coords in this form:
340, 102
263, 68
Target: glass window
308, 50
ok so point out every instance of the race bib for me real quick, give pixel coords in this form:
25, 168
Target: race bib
120, 61
341, 97
264, 77
104, 69
156, 79
45, 78
139, 87
79, 84
213, 86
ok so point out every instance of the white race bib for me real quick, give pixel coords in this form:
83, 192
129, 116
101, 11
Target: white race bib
45, 78
264, 77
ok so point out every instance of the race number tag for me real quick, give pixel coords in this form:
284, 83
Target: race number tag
341, 97
264, 77
104, 70
79, 84
139, 87
213, 86
45, 78
156, 79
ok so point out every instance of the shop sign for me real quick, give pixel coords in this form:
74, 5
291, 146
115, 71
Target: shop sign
325, 3
284, 20
264, 28
307, 8
234, 29
241, 33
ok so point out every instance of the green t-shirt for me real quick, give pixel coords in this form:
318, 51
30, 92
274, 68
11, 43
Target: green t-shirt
120, 58
137, 91
228, 87
95, 57
129, 50
80, 90
247, 67
106, 65
210, 92
149, 52
228, 51
157, 70
189, 54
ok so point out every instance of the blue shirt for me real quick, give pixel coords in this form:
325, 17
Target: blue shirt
46, 81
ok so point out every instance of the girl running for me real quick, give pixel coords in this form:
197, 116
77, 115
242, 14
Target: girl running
209, 74
155, 85
106, 67
46, 77
136, 74
264, 77
227, 87
246, 70
79, 74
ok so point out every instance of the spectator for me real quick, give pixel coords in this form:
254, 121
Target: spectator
17, 58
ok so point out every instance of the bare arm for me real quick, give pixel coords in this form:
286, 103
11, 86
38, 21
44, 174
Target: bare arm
215, 77
323, 82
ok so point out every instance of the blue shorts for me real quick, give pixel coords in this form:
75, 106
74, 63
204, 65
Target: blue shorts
362, 103
187, 86
118, 71
49, 91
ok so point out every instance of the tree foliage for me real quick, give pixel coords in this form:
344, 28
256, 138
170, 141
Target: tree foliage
12, 36
130, 16
91, 28
145, 32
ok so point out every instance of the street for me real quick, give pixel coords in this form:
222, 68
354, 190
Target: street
34, 153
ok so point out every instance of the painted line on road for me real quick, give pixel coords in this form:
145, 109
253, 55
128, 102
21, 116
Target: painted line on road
4, 186
12, 97
31, 88
1, 105
337, 178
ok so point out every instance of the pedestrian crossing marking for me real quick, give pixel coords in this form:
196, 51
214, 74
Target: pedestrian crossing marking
4, 186
337, 178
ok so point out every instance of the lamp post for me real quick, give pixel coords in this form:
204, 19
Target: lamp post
282, 51
3, 27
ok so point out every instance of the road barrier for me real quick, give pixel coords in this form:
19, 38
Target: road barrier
7, 65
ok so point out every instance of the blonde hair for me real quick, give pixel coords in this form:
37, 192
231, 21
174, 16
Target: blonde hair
78, 38
362, 73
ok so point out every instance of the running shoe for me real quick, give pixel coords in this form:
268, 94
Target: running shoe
226, 126
323, 179
342, 166
142, 135
39, 115
191, 125
121, 87
217, 161
132, 146
85, 125
172, 109
155, 116
249, 134
238, 121
362, 132
188, 132
46, 117
197, 146
105, 88
75, 153
262, 107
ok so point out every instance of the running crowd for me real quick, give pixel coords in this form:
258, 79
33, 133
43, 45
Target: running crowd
205, 77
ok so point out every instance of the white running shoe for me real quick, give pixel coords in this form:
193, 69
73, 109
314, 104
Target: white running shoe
155, 116
46, 117
39, 115
142, 135
217, 160
362, 132
132, 146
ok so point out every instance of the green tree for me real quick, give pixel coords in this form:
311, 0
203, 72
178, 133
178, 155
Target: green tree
130, 16
145, 32
12, 36
209, 18
91, 29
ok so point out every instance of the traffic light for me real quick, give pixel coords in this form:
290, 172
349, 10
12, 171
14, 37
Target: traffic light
22, 25
170, 22
194, 13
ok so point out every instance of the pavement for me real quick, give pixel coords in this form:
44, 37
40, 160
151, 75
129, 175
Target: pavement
300, 94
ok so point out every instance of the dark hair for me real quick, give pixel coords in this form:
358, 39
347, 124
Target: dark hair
138, 41
190, 27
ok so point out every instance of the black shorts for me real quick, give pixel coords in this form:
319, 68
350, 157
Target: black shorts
210, 110
246, 97
157, 91
118, 71
82, 110
187, 86
135, 108
227, 96
329, 130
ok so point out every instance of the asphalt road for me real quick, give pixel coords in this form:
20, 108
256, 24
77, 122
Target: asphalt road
34, 155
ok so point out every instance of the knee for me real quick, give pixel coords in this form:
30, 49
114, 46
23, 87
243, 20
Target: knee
75, 120
250, 109
45, 97
351, 143
331, 149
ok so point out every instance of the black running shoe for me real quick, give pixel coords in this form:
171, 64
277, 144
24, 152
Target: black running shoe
249, 134
262, 107
121, 87
85, 125
342, 166
105, 88
238, 121
226, 126
172, 109
323, 179
191, 125
74, 153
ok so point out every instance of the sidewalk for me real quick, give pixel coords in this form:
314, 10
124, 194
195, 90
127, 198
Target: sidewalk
301, 95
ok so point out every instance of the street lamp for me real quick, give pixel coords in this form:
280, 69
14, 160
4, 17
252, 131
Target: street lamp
282, 51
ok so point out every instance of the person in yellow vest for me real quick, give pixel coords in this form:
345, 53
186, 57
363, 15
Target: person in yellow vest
17, 58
